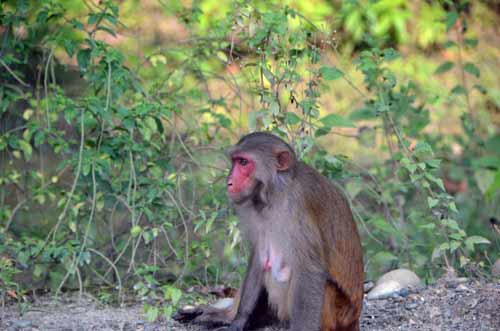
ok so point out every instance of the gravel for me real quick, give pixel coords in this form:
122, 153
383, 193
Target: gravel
470, 305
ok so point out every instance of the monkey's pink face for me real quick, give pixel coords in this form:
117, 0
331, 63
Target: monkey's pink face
241, 182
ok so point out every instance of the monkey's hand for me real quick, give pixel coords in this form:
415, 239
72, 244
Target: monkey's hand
207, 316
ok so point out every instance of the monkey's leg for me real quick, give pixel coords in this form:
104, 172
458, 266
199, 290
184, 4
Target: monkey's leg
262, 315
251, 290
307, 302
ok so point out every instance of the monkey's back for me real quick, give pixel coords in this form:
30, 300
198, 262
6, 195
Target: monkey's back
341, 255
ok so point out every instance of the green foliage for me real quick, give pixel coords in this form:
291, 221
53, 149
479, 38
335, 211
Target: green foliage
384, 19
116, 182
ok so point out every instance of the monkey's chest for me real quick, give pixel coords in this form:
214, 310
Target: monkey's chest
274, 261
277, 277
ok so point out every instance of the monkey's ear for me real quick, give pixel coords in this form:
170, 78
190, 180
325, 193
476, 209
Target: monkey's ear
284, 160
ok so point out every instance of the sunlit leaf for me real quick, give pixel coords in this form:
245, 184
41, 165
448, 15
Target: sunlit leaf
330, 73
334, 120
444, 67
472, 69
451, 19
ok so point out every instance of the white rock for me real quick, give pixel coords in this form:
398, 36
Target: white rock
404, 277
223, 303
384, 290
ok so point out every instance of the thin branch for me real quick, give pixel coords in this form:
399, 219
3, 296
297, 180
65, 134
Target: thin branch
16, 77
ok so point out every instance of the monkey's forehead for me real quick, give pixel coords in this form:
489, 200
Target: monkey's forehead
257, 149
239, 151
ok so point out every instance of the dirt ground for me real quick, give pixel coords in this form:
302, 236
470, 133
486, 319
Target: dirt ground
467, 306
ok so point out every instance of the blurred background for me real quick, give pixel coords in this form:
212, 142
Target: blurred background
114, 118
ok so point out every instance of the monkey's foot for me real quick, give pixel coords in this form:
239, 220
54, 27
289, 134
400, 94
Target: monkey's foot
207, 316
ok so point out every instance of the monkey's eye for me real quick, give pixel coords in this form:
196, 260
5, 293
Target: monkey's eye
242, 161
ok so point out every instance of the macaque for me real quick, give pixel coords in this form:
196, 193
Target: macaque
306, 264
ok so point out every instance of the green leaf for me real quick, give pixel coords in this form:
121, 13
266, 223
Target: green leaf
435, 180
480, 88
432, 202
383, 225
458, 89
151, 124
411, 167
484, 179
93, 18
495, 186
274, 108
69, 47
353, 187
451, 223
26, 148
423, 150
322, 131
268, 74
292, 118
136, 230
167, 311
470, 42
444, 67
489, 162
83, 58
436, 253
454, 245
472, 69
175, 295
390, 54
330, 73
449, 44
334, 120
384, 258
106, 29
433, 163
475, 240
451, 19
453, 207
77, 24
428, 226
152, 313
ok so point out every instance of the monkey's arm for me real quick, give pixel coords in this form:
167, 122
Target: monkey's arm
250, 293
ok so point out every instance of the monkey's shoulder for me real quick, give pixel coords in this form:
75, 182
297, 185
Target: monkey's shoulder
319, 196
310, 178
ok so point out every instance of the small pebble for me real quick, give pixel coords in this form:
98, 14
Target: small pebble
22, 324
411, 305
454, 282
367, 286
462, 288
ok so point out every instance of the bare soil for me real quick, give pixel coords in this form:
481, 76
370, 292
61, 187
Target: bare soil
467, 306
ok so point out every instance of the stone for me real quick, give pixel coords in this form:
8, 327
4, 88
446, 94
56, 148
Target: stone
367, 286
22, 324
404, 277
395, 283
223, 303
384, 290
